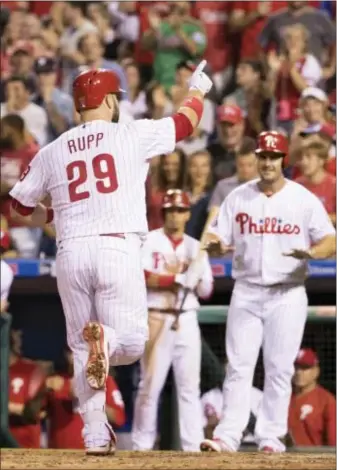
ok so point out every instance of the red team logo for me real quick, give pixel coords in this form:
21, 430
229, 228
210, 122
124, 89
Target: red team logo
269, 225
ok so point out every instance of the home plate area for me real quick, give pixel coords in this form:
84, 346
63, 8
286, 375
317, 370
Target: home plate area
61, 459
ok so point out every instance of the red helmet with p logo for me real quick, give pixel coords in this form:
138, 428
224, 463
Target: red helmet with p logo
176, 198
272, 141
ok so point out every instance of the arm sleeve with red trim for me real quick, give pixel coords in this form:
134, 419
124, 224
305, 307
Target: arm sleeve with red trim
161, 280
157, 137
151, 261
115, 401
32, 185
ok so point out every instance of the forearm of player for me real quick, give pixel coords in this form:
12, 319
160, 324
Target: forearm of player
37, 216
159, 281
325, 248
189, 114
205, 289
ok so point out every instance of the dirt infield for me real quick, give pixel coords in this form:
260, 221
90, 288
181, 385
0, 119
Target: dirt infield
62, 460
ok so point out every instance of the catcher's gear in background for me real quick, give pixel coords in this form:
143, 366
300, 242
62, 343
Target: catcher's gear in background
91, 87
175, 198
272, 141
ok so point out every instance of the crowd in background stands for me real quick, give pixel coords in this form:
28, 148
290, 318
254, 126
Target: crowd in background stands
273, 67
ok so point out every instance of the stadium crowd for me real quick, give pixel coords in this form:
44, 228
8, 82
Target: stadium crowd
272, 64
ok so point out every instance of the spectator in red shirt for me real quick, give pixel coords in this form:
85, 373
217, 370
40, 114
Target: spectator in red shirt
249, 18
146, 10
291, 72
170, 173
315, 178
312, 409
65, 423
16, 150
325, 134
214, 17
26, 396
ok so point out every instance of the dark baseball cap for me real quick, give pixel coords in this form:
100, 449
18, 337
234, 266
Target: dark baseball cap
186, 64
45, 65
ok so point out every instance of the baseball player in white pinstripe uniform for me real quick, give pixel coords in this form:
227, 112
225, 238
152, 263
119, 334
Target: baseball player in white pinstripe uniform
167, 261
95, 175
275, 226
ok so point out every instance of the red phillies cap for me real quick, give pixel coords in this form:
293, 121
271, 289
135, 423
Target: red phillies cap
306, 357
230, 113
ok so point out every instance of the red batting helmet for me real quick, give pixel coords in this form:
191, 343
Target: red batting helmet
176, 198
272, 141
91, 87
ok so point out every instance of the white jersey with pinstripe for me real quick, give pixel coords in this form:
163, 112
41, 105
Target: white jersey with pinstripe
95, 175
268, 305
159, 253
181, 348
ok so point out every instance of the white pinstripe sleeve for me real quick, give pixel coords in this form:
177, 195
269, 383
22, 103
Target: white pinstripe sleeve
32, 185
156, 137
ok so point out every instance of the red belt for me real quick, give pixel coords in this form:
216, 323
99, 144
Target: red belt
117, 235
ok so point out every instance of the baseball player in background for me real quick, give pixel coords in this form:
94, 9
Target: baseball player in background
174, 334
274, 226
212, 404
95, 175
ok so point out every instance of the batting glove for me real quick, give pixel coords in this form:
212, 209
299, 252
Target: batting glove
199, 80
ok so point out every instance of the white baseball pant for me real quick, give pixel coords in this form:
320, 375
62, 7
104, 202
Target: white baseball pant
182, 350
274, 318
100, 278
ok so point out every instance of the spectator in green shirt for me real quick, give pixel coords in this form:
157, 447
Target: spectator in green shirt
177, 38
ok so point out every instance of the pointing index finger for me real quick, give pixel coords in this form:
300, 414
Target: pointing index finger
201, 66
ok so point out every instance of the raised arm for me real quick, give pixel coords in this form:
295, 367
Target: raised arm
160, 136
189, 114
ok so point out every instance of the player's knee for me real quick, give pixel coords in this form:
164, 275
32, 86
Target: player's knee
131, 349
